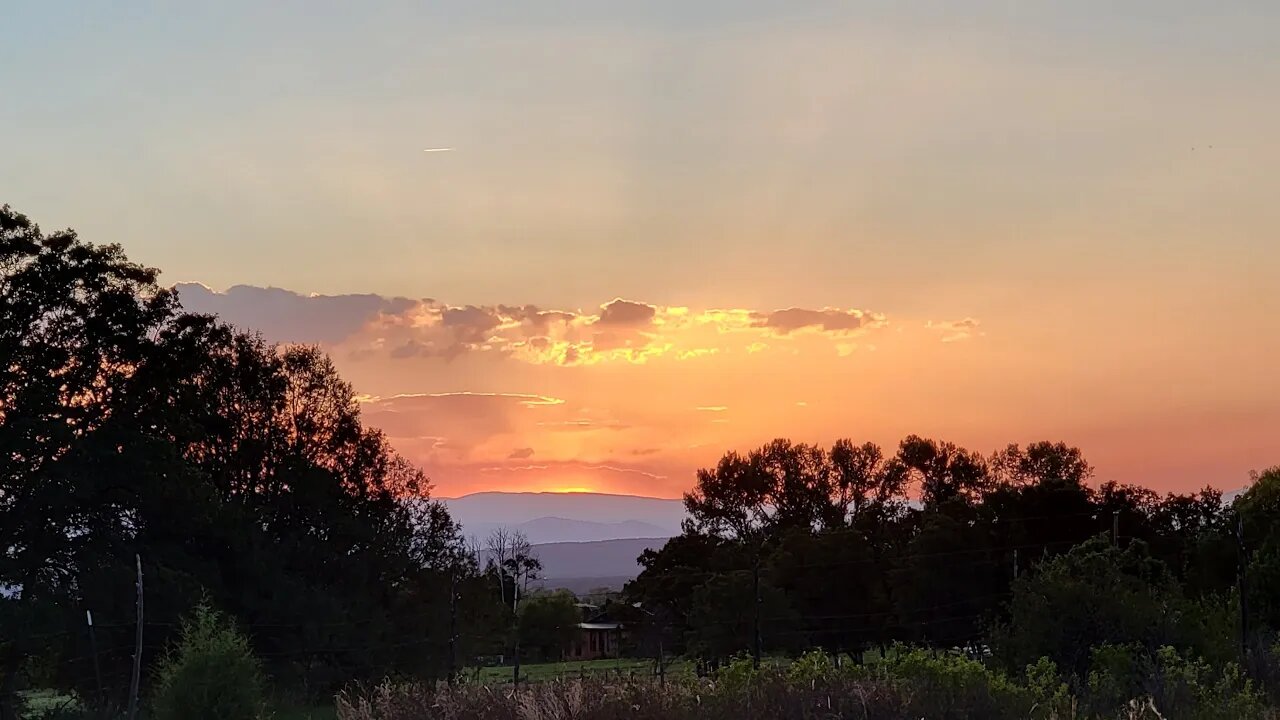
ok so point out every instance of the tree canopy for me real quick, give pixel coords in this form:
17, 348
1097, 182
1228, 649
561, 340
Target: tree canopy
856, 548
232, 467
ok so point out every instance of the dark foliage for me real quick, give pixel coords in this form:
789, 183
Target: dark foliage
234, 469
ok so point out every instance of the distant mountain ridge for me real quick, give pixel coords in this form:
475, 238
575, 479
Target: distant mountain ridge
606, 558
567, 517
561, 530
585, 566
584, 540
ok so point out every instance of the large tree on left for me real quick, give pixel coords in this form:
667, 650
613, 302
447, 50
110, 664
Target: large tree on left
237, 469
76, 320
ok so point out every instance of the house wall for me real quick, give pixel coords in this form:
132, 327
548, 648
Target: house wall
594, 644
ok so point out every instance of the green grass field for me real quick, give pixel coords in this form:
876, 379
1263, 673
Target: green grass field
551, 671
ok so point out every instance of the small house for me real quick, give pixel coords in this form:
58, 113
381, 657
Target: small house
595, 640
598, 636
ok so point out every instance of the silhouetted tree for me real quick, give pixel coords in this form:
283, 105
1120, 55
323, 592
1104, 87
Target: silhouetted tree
231, 466
548, 624
1093, 595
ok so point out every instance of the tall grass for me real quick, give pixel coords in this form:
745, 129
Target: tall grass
907, 686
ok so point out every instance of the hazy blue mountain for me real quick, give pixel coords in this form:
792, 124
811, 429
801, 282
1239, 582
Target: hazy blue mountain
567, 517
594, 559
584, 566
558, 529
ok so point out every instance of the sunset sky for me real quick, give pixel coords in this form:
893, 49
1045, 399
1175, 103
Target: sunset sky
669, 229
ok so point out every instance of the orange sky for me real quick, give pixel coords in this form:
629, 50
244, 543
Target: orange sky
982, 221
632, 398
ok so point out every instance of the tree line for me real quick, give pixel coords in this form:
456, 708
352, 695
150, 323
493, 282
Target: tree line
237, 471
1011, 556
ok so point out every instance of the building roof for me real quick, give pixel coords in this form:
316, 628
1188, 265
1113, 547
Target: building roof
599, 626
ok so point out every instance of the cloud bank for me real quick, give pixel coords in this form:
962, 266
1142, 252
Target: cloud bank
625, 396
617, 331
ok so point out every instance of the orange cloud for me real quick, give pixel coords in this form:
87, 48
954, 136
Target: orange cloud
956, 330
625, 312
627, 396
621, 331
830, 320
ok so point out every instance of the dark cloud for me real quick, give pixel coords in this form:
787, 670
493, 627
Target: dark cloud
286, 316
470, 324
626, 313
538, 320
427, 349
828, 320
521, 454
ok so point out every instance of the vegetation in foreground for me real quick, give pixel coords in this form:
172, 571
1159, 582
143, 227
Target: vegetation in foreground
906, 685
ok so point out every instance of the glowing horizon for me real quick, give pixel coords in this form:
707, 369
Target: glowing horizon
632, 398
682, 229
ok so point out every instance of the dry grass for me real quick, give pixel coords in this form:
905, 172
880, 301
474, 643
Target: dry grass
838, 698
633, 699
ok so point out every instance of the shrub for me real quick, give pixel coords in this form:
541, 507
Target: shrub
210, 674
1050, 694
1190, 689
811, 668
738, 675
1115, 677
945, 685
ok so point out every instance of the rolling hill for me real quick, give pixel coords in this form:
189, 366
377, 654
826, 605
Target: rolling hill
567, 517
585, 566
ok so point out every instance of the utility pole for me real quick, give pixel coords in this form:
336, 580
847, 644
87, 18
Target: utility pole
453, 626
662, 661
137, 649
1243, 586
97, 668
1115, 528
515, 672
662, 656
755, 654
515, 669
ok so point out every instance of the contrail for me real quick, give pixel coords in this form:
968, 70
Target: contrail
438, 150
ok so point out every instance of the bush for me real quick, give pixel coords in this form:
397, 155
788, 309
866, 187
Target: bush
907, 685
1050, 693
1190, 689
811, 668
211, 674
945, 685
739, 675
